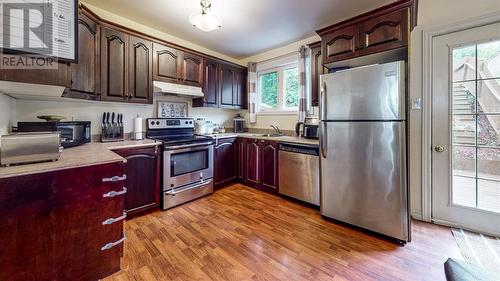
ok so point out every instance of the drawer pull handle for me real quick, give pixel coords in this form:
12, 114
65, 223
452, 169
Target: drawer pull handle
113, 220
113, 193
115, 179
112, 244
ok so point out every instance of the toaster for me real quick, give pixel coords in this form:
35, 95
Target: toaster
23, 148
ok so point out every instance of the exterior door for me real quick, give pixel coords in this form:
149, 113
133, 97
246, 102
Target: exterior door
466, 129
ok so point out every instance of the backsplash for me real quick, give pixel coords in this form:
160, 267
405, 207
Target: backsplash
27, 110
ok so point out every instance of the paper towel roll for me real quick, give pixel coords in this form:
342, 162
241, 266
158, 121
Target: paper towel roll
138, 128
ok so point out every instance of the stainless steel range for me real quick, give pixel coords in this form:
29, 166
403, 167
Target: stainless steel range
187, 160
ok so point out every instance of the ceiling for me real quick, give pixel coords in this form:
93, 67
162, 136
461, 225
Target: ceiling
249, 27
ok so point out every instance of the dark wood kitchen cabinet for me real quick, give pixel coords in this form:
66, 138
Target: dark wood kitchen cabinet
260, 164
192, 70
85, 75
143, 178
225, 164
140, 70
241, 158
317, 69
227, 85
240, 88
383, 29
62, 225
210, 86
114, 68
269, 165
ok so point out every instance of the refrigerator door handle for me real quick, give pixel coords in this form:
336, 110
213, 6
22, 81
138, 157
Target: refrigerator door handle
322, 104
323, 138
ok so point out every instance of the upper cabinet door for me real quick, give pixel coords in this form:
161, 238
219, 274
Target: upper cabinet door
210, 89
385, 32
317, 70
140, 70
192, 70
226, 85
114, 71
85, 74
166, 64
340, 45
239, 91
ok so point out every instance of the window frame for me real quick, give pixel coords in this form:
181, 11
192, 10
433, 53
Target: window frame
281, 108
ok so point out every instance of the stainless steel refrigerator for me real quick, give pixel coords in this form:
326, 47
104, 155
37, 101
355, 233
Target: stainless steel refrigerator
363, 148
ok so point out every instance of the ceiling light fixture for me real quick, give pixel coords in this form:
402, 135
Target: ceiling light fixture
205, 20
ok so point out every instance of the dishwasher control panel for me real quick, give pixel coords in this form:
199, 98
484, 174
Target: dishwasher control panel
297, 148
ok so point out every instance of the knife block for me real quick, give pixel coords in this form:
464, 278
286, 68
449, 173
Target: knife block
112, 132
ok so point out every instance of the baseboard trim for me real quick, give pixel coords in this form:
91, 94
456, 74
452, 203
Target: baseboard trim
417, 216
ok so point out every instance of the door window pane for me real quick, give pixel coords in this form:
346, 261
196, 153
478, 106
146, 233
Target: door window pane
268, 90
464, 62
464, 97
488, 96
292, 87
464, 191
488, 59
489, 195
475, 108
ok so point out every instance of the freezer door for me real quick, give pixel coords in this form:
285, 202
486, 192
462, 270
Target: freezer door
363, 175
375, 92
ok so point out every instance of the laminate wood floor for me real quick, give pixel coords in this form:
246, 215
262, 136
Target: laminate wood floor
239, 233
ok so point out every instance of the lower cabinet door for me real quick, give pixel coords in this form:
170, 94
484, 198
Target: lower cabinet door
241, 158
269, 166
253, 161
225, 161
143, 178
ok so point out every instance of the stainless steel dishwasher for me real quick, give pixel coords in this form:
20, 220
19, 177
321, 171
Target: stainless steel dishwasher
299, 172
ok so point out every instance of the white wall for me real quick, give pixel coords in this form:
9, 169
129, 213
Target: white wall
7, 112
27, 110
432, 14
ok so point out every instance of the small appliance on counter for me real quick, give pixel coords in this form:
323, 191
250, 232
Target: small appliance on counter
111, 130
238, 124
73, 133
310, 128
23, 148
200, 126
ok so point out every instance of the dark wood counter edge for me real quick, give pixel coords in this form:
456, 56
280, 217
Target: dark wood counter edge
110, 24
374, 13
111, 149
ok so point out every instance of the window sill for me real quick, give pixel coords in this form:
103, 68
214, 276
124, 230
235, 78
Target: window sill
289, 113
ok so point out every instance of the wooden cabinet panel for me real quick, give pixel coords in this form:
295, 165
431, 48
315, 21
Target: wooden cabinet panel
385, 32
226, 85
140, 70
340, 44
167, 64
85, 75
210, 84
192, 70
239, 91
269, 165
143, 178
225, 161
241, 158
253, 161
58, 77
53, 225
114, 70
317, 69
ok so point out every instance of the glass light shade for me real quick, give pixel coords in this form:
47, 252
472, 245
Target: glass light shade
206, 22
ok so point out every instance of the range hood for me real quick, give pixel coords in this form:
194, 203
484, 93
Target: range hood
31, 91
176, 89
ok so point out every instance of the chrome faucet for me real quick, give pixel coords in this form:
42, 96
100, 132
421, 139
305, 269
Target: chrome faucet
277, 130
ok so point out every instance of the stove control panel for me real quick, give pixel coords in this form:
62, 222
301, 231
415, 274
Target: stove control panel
169, 123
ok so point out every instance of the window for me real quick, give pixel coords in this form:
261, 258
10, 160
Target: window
278, 89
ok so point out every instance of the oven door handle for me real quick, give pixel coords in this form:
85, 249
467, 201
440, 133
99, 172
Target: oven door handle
188, 145
189, 187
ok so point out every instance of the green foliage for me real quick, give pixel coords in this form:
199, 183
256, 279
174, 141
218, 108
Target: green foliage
292, 87
269, 89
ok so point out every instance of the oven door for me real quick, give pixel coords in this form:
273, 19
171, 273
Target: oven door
187, 164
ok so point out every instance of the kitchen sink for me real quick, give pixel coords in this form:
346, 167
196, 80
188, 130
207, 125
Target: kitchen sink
268, 135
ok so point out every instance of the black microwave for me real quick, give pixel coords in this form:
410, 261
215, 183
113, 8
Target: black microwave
73, 133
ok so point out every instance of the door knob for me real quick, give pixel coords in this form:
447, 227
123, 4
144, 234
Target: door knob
439, 148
